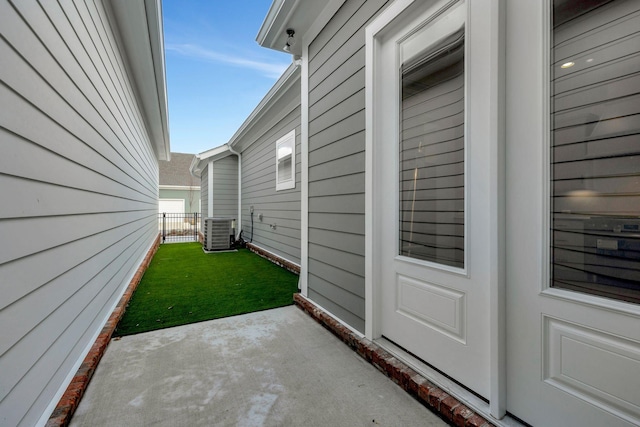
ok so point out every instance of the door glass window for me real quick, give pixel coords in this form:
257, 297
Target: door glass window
431, 181
595, 152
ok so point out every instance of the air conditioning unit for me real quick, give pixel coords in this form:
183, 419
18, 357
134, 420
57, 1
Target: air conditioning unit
218, 234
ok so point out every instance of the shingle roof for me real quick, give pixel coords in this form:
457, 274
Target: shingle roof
176, 171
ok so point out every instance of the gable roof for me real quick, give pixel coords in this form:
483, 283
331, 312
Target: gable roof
289, 80
200, 160
176, 171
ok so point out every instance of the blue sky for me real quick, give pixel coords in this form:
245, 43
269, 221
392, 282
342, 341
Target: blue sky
216, 71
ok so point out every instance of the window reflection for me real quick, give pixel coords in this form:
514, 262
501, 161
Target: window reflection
595, 125
432, 154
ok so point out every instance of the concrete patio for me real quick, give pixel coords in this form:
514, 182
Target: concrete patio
272, 368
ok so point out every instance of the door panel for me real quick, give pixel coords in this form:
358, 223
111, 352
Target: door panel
433, 305
569, 350
429, 186
573, 335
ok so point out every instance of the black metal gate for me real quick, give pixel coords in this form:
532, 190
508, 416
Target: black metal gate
179, 227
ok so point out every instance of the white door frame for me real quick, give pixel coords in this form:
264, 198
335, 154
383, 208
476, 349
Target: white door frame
494, 43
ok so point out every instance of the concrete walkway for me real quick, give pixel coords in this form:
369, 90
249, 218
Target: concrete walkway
273, 368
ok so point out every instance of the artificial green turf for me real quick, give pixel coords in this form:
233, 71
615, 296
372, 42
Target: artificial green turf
184, 285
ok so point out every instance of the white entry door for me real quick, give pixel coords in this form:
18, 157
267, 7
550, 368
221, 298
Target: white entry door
430, 184
573, 212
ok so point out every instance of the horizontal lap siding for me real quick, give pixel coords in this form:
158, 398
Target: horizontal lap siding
79, 189
281, 208
337, 162
204, 195
225, 187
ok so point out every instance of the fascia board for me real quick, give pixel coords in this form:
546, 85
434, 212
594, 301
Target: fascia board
284, 83
200, 160
193, 167
274, 21
139, 26
269, 21
303, 16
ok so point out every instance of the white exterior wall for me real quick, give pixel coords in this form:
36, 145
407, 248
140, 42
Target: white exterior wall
79, 190
336, 132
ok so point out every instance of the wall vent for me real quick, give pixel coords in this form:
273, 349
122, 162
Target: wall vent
218, 234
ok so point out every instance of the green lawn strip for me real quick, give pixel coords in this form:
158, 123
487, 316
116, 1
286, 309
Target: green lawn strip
184, 285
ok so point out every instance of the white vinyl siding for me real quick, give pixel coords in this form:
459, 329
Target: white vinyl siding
79, 185
337, 162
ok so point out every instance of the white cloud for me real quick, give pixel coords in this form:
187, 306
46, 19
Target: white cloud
272, 70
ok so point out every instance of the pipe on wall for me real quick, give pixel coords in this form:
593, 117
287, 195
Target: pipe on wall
239, 219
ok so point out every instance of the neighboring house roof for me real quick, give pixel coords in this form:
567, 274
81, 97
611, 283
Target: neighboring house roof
176, 171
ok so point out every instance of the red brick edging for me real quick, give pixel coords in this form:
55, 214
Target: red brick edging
274, 258
70, 400
434, 398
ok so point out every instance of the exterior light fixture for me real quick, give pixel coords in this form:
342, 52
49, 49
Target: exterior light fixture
290, 40
568, 64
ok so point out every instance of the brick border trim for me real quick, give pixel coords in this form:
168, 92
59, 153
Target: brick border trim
437, 400
61, 416
274, 258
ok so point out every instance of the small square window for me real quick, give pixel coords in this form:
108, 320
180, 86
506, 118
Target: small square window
286, 162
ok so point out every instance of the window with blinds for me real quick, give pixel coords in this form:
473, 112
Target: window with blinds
285, 162
431, 156
595, 153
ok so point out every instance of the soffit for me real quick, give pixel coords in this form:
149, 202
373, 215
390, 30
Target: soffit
139, 24
305, 17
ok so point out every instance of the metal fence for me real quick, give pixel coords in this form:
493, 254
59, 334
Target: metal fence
179, 227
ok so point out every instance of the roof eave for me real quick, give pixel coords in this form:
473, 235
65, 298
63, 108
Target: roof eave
200, 160
139, 24
305, 17
284, 83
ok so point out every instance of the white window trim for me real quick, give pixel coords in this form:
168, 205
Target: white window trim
289, 183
